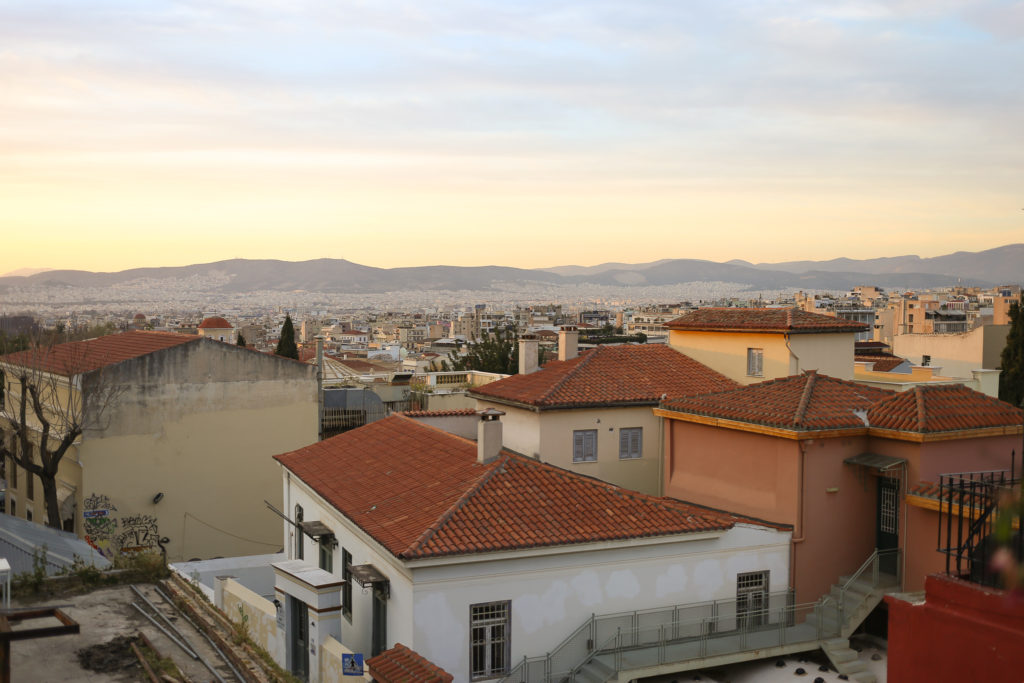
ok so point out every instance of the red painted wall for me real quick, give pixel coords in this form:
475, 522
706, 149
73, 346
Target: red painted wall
962, 632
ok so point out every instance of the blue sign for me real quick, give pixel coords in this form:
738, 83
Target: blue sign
352, 665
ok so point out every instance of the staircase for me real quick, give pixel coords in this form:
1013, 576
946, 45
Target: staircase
625, 646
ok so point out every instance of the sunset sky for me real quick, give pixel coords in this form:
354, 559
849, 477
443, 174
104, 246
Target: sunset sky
521, 133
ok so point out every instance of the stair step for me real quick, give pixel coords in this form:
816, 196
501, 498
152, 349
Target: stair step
841, 656
864, 677
601, 666
837, 643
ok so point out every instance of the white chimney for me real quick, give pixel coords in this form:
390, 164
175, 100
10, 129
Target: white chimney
568, 342
528, 347
488, 435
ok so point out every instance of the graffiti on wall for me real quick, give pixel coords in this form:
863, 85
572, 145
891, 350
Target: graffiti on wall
99, 523
138, 533
111, 533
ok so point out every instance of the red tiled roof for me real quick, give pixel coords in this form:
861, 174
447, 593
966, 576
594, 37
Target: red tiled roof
438, 413
790, 320
882, 362
72, 358
420, 492
942, 407
609, 375
402, 665
802, 402
215, 323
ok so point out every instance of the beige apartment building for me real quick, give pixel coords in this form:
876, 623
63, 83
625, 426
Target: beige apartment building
750, 345
175, 453
593, 413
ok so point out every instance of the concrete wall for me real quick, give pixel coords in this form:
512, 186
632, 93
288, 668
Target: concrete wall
552, 595
199, 424
520, 428
830, 354
259, 616
956, 354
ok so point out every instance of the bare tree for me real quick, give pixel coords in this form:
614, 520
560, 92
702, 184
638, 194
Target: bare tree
51, 395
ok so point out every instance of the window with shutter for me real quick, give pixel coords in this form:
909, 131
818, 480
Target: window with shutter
755, 362
630, 443
584, 445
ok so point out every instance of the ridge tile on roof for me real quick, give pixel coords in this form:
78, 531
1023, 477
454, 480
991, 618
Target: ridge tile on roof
420, 492
943, 407
609, 374
791, 320
810, 401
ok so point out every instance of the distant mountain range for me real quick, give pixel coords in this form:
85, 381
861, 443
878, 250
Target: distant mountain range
1003, 265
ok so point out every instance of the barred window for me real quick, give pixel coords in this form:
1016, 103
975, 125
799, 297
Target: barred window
489, 625
631, 443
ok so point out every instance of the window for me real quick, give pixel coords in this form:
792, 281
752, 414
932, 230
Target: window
584, 445
298, 532
14, 473
752, 599
926, 360
631, 442
911, 317
489, 625
30, 485
326, 553
755, 362
346, 590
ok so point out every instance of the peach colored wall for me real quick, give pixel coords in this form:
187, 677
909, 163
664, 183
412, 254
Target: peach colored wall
750, 474
839, 527
920, 543
926, 461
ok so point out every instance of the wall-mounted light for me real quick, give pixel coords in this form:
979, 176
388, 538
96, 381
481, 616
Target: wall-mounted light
158, 497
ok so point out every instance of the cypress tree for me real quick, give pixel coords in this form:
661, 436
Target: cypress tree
286, 345
241, 340
1011, 379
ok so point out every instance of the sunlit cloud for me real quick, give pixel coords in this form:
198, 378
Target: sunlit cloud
739, 129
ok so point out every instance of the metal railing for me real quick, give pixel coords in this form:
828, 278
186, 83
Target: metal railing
696, 631
968, 513
874, 565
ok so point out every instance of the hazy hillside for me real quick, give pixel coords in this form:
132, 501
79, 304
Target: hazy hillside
985, 268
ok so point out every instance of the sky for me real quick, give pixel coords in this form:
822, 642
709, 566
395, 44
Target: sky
519, 133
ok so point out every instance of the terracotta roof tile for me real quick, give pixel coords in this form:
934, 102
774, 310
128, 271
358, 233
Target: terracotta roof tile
943, 407
420, 492
882, 362
791, 320
72, 358
215, 323
438, 413
609, 374
402, 665
802, 402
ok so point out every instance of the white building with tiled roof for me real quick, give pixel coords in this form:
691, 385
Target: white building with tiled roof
476, 557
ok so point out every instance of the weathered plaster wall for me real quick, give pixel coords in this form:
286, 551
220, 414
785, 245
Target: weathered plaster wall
726, 352
198, 423
552, 595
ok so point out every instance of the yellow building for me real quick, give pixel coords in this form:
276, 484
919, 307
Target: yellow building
177, 434
750, 345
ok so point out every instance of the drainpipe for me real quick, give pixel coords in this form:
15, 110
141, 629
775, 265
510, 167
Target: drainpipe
320, 386
798, 530
792, 354
662, 460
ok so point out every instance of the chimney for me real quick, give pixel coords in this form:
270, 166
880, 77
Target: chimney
528, 346
568, 342
488, 435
